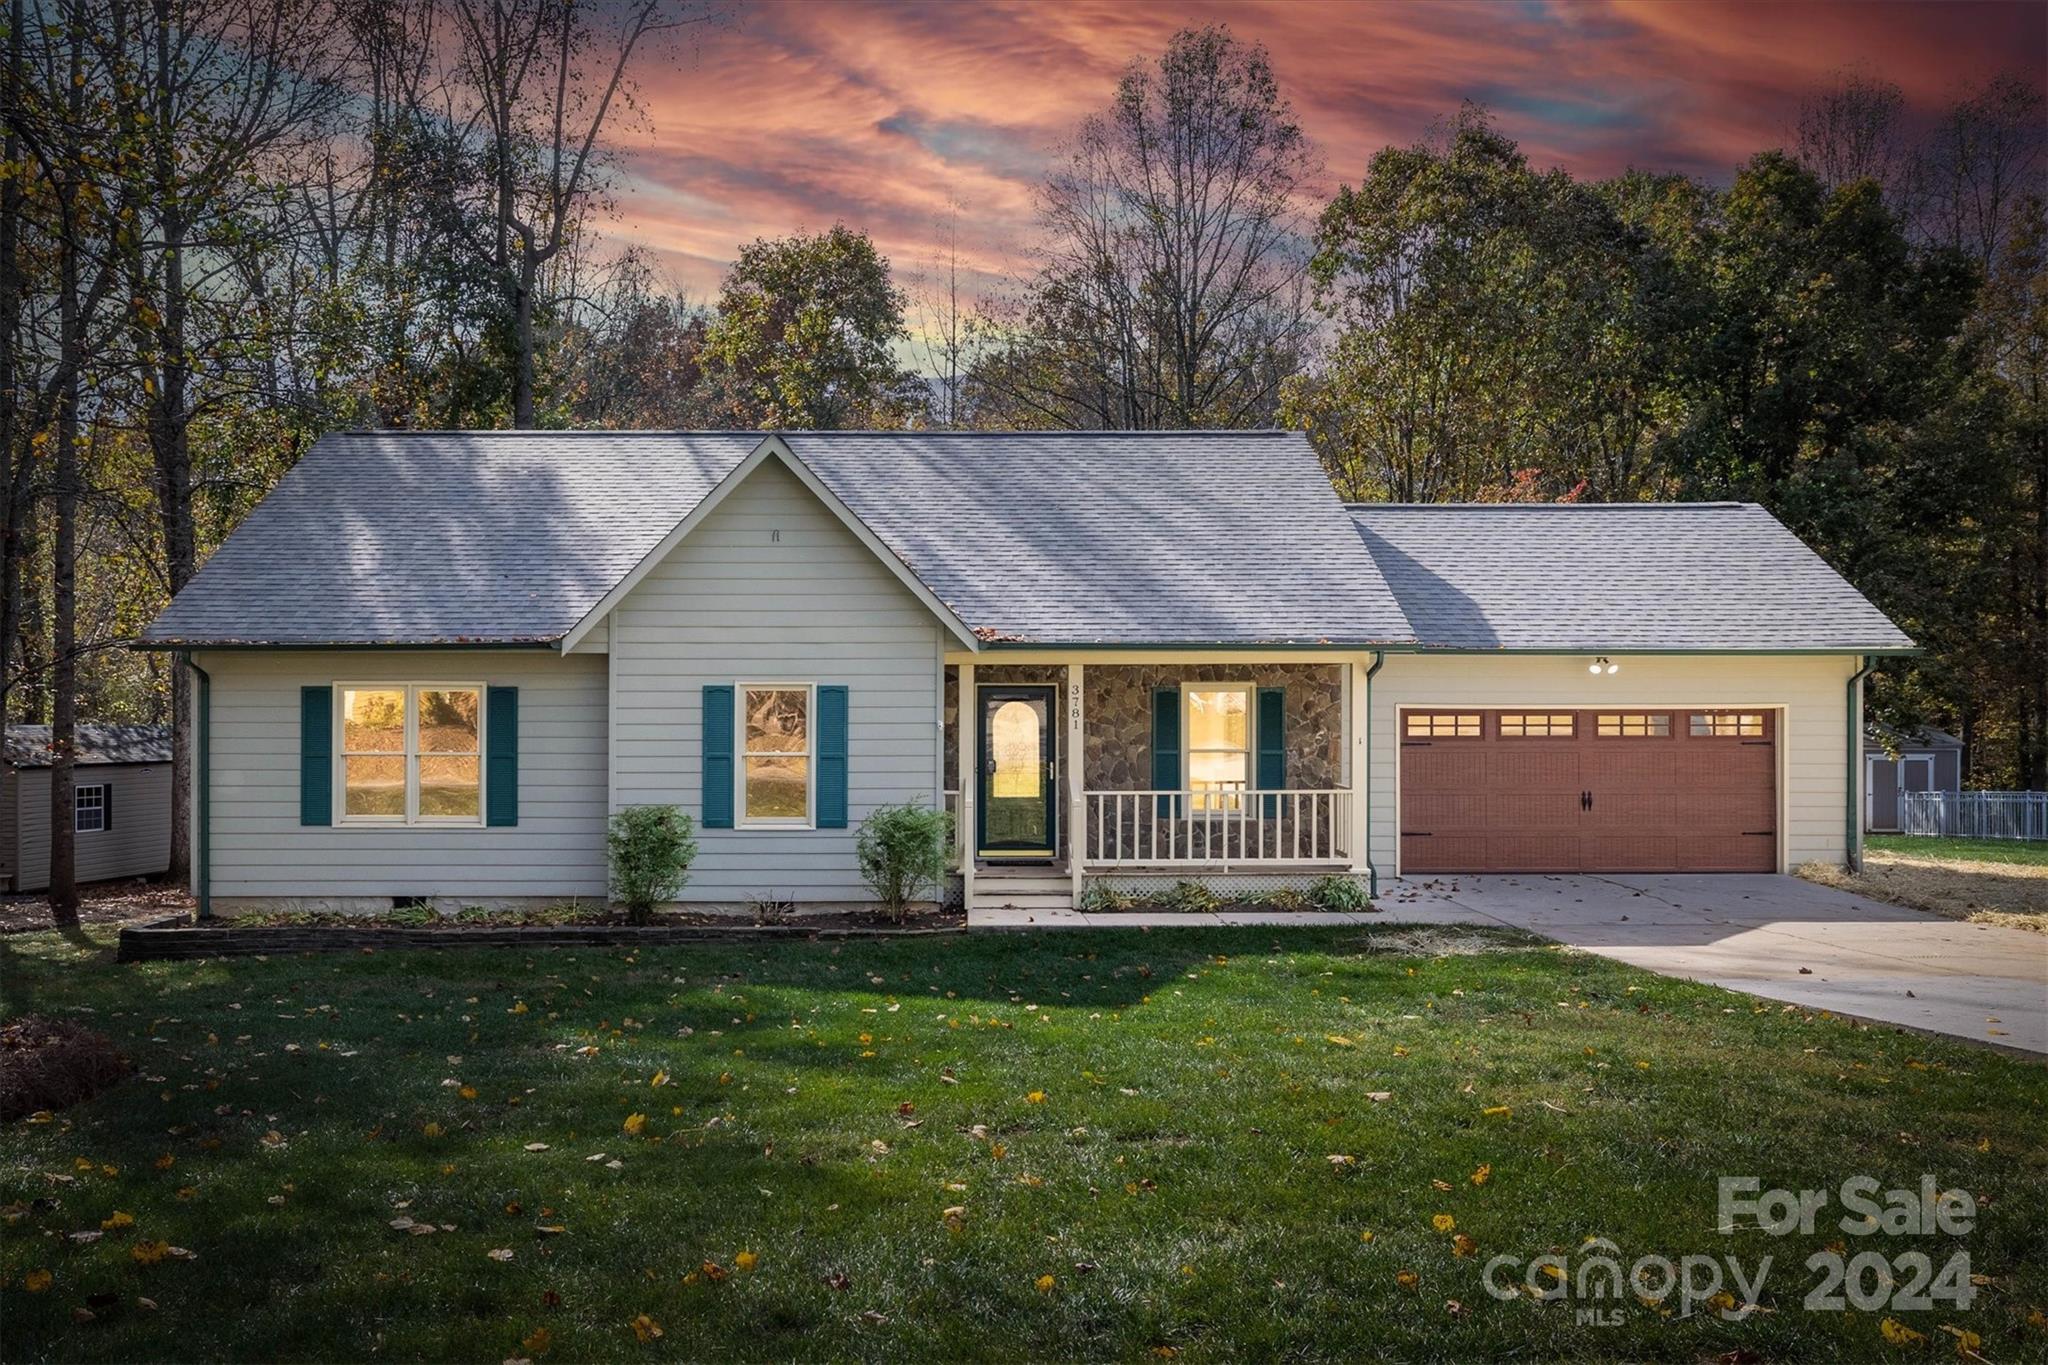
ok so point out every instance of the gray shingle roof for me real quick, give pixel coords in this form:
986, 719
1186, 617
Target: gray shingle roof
445, 537
1124, 538
28, 746
1053, 537
1707, 576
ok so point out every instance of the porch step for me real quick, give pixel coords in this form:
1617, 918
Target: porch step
996, 900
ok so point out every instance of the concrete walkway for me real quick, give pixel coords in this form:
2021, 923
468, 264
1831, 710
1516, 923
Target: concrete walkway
1781, 938
1777, 937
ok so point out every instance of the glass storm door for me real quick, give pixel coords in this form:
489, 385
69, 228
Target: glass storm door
1015, 791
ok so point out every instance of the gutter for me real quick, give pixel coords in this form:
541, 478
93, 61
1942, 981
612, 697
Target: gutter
1372, 873
1852, 832
202, 839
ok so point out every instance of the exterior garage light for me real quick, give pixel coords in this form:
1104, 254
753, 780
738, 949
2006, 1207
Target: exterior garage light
1601, 665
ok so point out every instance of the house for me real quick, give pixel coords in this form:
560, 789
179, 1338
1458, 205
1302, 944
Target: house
1894, 763
120, 804
430, 664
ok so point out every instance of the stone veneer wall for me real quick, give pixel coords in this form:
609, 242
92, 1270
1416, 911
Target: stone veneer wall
1118, 716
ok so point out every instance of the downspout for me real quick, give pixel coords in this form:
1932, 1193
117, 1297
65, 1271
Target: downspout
1852, 856
1372, 873
202, 839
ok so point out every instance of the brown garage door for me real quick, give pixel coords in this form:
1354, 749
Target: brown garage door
1567, 790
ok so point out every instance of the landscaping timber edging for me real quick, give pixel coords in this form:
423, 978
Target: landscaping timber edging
177, 938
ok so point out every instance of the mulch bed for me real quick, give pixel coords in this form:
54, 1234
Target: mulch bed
101, 903
224, 937
50, 1064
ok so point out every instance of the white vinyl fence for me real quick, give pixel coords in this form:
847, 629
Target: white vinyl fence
1975, 815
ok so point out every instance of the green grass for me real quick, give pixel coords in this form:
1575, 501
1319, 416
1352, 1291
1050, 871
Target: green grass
1193, 1095
2026, 852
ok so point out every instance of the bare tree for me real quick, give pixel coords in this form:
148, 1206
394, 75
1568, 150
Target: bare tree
538, 79
1855, 130
1170, 285
943, 338
1984, 158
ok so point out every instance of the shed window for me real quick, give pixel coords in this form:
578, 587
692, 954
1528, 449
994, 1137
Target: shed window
89, 809
1219, 745
1443, 725
775, 746
1728, 724
1635, 725
412, 753
1536, 724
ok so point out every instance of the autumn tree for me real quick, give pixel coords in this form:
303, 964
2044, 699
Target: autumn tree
804, 335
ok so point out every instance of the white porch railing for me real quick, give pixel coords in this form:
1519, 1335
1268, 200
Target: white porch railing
1217, 830
1975, 815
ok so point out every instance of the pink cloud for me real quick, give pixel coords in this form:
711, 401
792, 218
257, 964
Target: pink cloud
880, 114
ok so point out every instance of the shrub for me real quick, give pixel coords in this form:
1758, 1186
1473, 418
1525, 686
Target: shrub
903, 851
1098, 898
1338, 892
1191, 897
650, 848
1285, 898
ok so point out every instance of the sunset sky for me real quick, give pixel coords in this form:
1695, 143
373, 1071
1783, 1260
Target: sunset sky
801, 114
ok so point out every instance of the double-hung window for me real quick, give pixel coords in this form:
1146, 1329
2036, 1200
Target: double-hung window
775, 754
411, 753
1219, 745
89, 809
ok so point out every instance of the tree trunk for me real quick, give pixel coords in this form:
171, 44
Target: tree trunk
14, 514
169, 436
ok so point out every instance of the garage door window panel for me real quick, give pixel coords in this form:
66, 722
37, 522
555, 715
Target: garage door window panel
1632, 725
1444, 725
1537, 724
1729, 725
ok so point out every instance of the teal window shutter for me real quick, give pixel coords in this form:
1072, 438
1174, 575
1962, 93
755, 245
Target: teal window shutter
316, 755
1272, 739
1165, 746
831, 758
718, 758
501, 756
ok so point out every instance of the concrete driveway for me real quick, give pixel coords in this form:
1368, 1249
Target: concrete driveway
1777, 937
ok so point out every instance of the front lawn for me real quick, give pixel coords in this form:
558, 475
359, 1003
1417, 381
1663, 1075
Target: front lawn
2029, 852
1195, 1143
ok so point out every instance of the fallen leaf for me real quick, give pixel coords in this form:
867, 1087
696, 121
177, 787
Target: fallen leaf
1443, 1222
1407, 1279
636, 1124
1482, 1175
37, 1281
500, 1254
1898, 1334
1044, 1284
646, 1329
117, 1219
1498, 1111
746, 1260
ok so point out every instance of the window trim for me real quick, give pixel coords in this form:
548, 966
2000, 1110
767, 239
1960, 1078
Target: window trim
411, 819
77, 796
1250, 692
740, 818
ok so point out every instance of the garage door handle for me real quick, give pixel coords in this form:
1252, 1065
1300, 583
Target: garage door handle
1585, 800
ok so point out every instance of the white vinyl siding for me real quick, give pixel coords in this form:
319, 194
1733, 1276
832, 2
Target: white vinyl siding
139, 844
772, 586
1810, 692
261, 850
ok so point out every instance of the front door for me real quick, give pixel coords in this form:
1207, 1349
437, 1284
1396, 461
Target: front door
1014, 808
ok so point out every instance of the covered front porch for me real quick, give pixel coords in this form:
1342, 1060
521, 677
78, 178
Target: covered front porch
1136, 767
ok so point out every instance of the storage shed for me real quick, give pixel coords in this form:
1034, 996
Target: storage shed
1926, 761
121, 804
